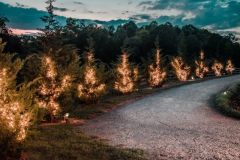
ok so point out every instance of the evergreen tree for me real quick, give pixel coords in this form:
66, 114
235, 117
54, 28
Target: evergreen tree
51, 37
229, 67
217, 68
50, 20
157, 75
182, 71
124, 81
16, 104
51, 87
92, 85
201, 68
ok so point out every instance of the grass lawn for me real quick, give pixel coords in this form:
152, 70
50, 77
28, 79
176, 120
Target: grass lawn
63, 142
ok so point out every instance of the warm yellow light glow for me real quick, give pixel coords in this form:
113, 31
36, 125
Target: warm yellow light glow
91, 88
229, 67
125, 80
201, 68
50, 68
217, 68
135, 73
12, 113
156, 74
182, 71
50, 89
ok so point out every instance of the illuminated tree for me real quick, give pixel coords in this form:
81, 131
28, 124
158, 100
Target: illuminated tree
217, 68
201, 68
229, 67
136, 74
56, 75
16, 103
182, 71
124, 82
91, 88
157, 75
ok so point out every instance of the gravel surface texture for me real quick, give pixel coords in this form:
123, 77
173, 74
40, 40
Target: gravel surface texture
177, 123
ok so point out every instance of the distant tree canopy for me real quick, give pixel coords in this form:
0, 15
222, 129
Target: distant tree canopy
187, 41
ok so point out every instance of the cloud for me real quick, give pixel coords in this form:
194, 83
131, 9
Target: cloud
24, 18
141, 17
21, 5
144, 3
60, 9
130, 2
79, 3
221, 14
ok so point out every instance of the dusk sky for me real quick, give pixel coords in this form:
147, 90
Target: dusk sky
216, 15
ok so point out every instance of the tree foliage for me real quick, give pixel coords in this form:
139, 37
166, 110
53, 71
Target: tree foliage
157, 74
201, 68
16, 104
124, 76
92, 85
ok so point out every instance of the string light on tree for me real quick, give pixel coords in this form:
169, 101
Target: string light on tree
229, 67
182, 71
50, 88
157, 75
124, 82
201, 68
15, 107
136, 74
91, 88
217, 68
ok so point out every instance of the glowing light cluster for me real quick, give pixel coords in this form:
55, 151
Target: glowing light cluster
50, 89
125, 80
201, 69
12, 113
229, 67
182, 71
217, 68
156, 74
91, 88
136, 74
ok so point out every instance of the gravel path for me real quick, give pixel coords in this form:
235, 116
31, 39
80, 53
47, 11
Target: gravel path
177, 123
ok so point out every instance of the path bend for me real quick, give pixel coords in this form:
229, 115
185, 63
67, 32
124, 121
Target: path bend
177, 123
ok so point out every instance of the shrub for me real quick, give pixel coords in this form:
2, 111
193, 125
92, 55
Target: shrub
157, 75
229, 67
228, 102
201, 68
217, 68
59, 69
92, 85
16, 105
124, 77
182, 71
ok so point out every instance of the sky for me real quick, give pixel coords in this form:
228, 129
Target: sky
217, 15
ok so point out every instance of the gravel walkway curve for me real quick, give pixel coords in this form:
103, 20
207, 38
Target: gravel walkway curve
177, 123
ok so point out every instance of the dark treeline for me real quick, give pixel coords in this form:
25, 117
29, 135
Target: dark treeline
109, 42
